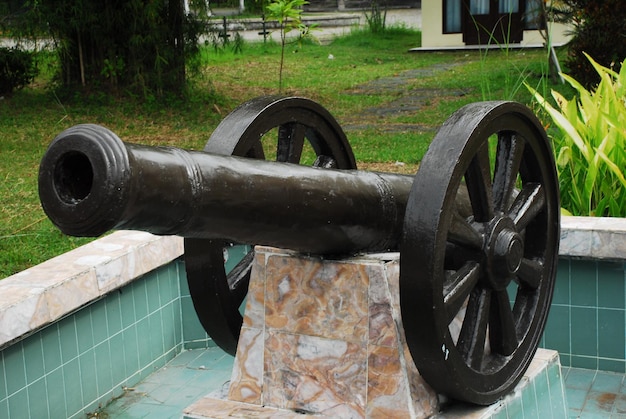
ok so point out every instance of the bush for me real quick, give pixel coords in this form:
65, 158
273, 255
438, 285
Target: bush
600, 31
590, 144
17, 69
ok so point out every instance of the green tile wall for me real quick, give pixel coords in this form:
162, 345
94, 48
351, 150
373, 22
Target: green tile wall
587, 321
194, 335
84, 360
81, 362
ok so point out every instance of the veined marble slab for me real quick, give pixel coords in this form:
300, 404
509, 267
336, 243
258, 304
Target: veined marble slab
44, 293
323, 337
593, 237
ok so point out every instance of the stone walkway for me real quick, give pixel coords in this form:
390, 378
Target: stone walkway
409, 101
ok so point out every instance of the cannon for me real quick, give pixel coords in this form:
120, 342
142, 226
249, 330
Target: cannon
477, 227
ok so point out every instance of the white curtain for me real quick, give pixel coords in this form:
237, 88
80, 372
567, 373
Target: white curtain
453, 16
479, 7
508, 6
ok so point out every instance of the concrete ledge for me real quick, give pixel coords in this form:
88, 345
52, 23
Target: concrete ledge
593, 238
44, 293
321, 20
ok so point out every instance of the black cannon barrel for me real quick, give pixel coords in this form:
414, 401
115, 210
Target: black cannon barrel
91, 182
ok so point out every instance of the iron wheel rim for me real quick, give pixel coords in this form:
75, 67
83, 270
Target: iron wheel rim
436, 285
217, 296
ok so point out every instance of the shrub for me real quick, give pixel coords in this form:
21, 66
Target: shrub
599, 29
590, 144
17, 69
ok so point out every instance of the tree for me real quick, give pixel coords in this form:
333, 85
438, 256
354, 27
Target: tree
140, 45
599, 29
288, 13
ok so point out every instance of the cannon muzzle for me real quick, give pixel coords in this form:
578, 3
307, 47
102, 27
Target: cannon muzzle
91, 182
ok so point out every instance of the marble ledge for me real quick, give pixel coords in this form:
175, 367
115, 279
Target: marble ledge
593, 238
45, 293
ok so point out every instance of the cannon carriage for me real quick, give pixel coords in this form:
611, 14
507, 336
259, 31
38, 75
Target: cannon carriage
477, 227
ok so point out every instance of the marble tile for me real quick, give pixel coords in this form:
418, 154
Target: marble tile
388, 390
255, 300
593, 237
247, 376
209, 407
44, 293
318, 299
331, 344
314, 374
382, 326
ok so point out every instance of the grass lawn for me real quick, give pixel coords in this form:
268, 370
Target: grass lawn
345, 76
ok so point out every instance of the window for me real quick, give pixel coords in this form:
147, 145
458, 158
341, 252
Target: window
532, 17
508, 6
452, 16
479, 7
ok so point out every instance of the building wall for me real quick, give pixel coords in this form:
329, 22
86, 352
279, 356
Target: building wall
334, 5
433, 36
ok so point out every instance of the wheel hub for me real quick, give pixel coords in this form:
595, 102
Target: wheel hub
504, 253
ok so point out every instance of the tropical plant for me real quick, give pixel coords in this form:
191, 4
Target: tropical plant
288, 14
590, 144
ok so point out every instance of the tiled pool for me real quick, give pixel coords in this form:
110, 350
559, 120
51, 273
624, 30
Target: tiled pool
166, 392
195, 373
113, 320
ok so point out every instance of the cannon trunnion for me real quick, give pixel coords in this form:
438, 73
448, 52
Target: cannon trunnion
477, 227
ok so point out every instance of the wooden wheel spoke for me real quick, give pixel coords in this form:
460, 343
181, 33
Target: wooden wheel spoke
530, 273
256, 151
463, 233
460, 286
479, 185
239, 278
471, 343
290, 142
530, 202
502, 331
507, 165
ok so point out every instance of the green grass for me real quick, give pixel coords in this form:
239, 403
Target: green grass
33, 116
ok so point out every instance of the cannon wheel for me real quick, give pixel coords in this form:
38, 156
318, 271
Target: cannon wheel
217, 296
476, 283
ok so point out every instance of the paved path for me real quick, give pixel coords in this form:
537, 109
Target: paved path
407, 102
410, 18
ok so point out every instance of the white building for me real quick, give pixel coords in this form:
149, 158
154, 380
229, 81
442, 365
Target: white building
463, 23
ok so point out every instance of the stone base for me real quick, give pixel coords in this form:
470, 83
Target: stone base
540, 393
325, 338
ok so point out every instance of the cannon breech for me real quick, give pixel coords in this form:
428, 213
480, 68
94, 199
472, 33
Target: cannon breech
170, 191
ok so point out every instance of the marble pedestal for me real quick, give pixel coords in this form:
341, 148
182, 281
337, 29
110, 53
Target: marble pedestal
324, 338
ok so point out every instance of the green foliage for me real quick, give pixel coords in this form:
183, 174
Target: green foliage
288, 14
376, 19
362, 63
590, 144
600, 31
17, 69
132, 45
